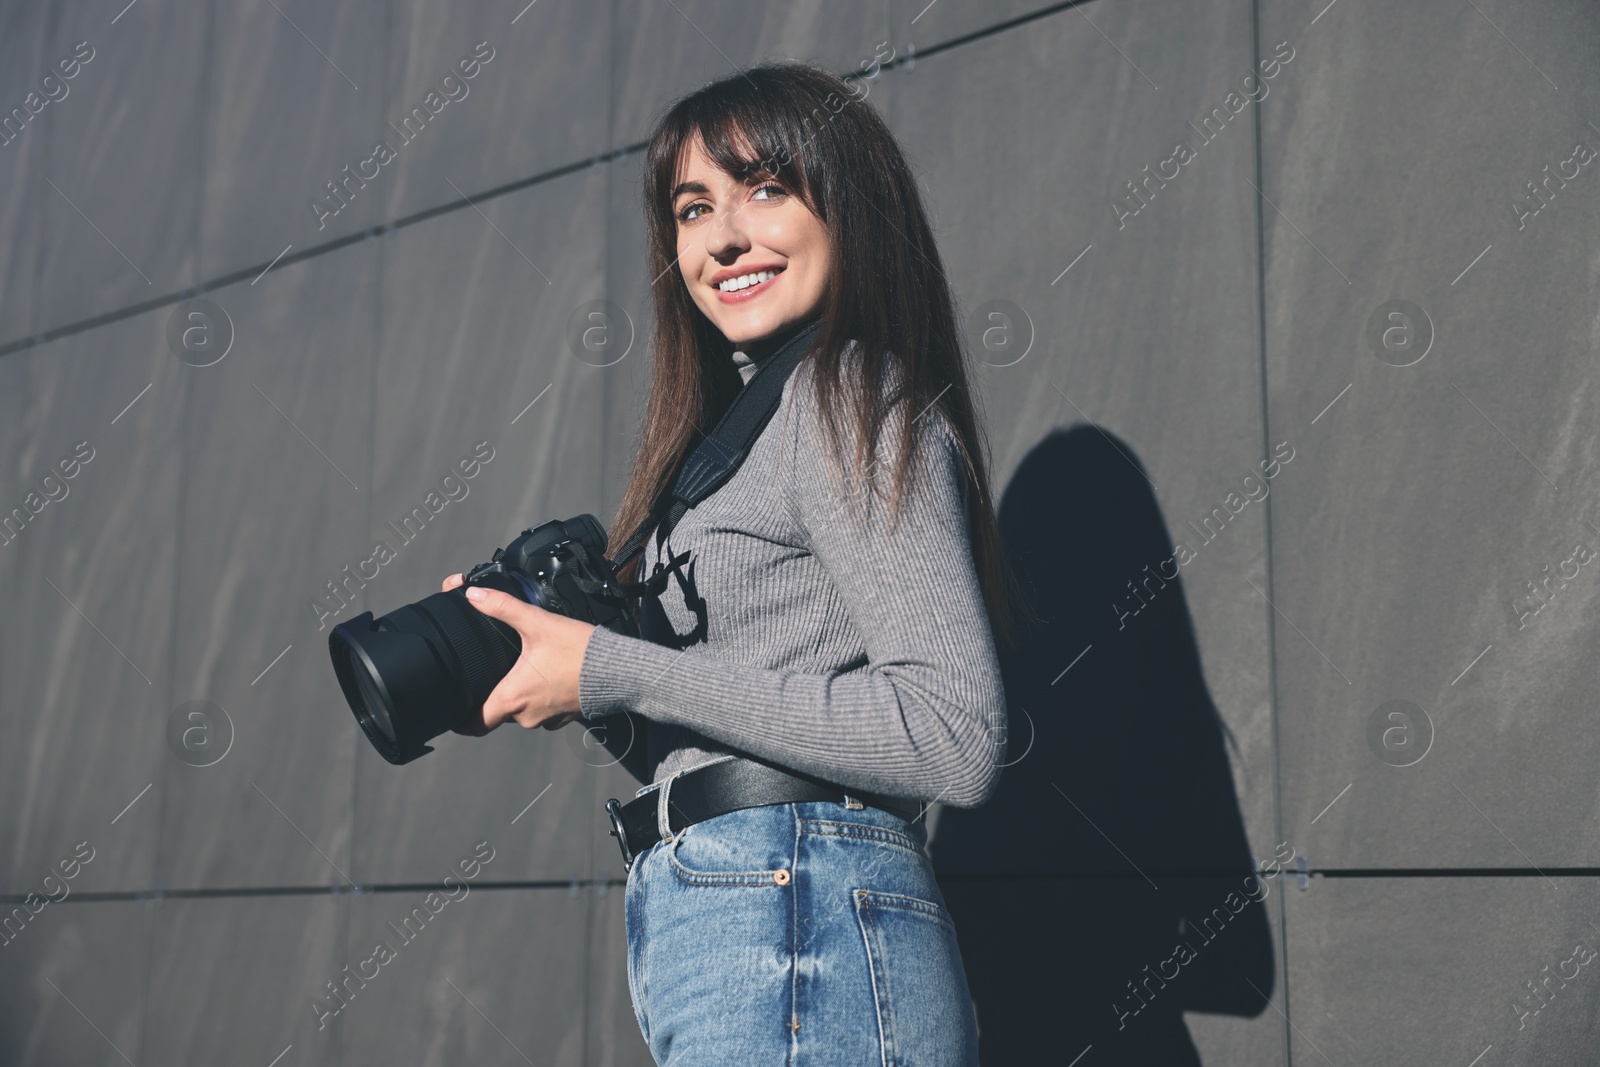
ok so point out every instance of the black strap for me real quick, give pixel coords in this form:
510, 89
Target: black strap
716, 458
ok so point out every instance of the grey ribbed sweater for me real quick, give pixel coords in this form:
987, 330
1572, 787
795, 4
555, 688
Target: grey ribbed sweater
804, 634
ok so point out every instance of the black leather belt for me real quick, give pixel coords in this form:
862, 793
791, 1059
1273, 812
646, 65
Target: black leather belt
719, 788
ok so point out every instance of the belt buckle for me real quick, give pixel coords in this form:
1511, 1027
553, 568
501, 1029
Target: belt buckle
620, 832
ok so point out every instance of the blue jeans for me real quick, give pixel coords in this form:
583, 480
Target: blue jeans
797, 934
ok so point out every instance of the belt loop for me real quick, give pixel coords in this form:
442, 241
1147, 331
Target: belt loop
663, 795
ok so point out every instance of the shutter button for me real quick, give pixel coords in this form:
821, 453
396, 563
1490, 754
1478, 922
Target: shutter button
780, 876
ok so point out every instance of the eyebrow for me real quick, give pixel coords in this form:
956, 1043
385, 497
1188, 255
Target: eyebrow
688, 187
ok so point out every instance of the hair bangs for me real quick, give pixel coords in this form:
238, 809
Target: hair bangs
747, 134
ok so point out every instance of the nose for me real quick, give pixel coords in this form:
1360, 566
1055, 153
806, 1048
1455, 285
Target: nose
726, 239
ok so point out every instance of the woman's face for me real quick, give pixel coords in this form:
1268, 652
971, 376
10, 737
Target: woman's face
728, 230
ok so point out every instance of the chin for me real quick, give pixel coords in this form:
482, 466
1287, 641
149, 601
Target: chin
744, 331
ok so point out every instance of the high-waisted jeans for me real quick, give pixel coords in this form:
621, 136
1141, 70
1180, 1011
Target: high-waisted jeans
801, 934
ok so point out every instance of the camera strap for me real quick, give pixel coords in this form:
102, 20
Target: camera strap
716, 458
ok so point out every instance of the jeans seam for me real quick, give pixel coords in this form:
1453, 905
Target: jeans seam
795, 904
859, 830
877, 975
639, 956
916, 905
721, 879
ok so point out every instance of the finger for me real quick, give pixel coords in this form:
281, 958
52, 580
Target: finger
497, 709
489, 721
452, 581
518, 614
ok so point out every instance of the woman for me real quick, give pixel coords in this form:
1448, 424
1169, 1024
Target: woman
829, 638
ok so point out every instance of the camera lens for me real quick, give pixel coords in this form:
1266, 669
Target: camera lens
421, 670
427, 667
373, 705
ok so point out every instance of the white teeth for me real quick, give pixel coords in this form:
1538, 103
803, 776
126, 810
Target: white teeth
744, 281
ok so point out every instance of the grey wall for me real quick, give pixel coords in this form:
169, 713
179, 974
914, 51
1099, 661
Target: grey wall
1156, 756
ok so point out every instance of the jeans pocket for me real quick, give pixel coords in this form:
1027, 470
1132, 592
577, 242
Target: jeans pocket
919, 988
730, 850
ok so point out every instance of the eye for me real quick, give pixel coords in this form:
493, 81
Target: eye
684, 213
774, 186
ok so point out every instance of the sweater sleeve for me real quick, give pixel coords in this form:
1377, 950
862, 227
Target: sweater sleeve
924, 717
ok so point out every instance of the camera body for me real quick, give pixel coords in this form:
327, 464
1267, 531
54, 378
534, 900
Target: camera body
427, 667
550, 566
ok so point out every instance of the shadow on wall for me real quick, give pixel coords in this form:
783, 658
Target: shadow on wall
1066, 942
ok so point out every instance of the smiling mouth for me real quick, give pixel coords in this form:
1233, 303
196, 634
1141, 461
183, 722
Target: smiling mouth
747, 285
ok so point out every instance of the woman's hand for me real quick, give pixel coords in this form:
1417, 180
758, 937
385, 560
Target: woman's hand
542, 686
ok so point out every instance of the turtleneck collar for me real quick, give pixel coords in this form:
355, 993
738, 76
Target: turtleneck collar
746, 366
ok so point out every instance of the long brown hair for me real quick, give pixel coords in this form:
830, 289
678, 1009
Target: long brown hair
806, 128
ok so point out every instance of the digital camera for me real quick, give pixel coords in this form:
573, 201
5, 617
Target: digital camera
428, 667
